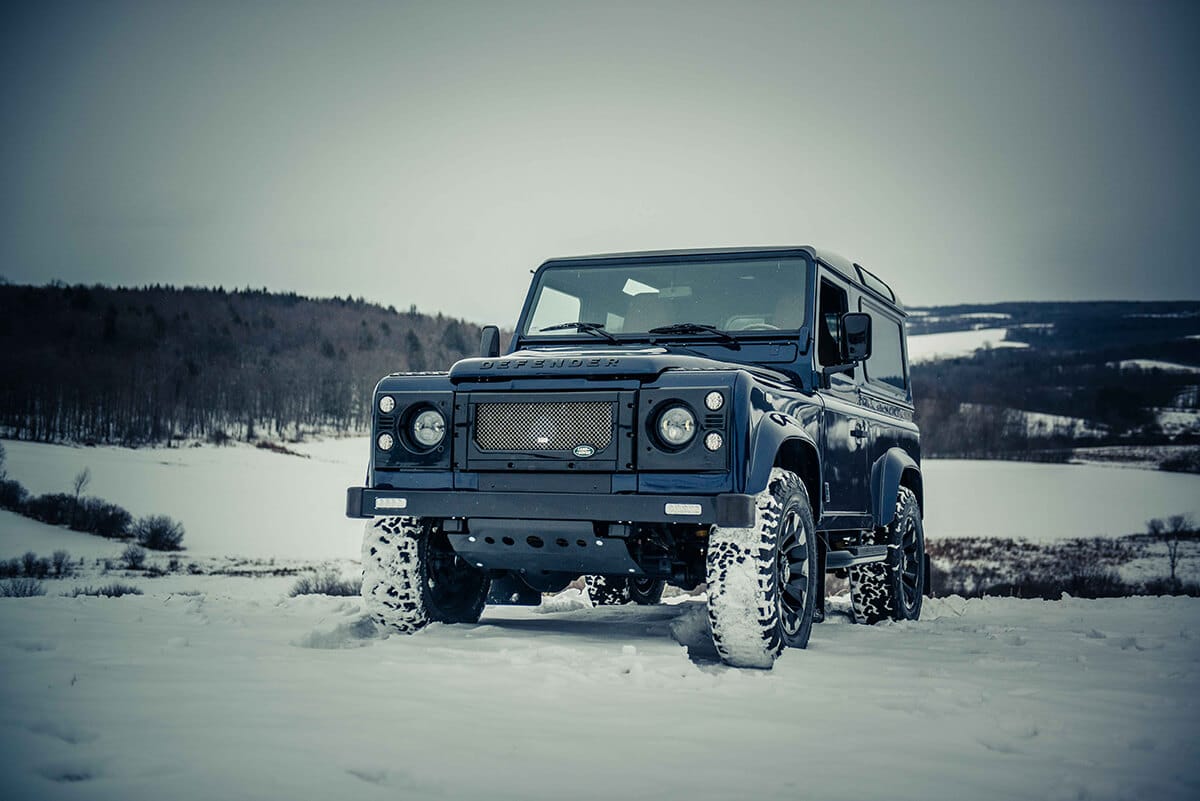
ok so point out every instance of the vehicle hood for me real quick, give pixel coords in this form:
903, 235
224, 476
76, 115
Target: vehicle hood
642, 363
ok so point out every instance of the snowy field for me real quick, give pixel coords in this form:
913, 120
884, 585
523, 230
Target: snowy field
1154, 364
931, 347
236, 500
211, 696
1042, 502
218, 686
242, 501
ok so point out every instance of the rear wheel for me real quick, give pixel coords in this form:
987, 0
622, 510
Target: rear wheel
413, 577
606, 591
762, 581
616, 590
893, 589
646, 591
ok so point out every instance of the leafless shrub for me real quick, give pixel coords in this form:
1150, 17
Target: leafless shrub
325, 582
61, 562
21, 588
12, 495
134, 557
113, 590
1166, 586
159, 533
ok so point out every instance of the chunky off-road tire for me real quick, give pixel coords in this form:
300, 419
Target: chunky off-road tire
614, 590
412, 577
762, 581
893, 589
606, 590
646, 591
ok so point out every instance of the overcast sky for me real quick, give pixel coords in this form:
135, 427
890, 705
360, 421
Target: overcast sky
432, 153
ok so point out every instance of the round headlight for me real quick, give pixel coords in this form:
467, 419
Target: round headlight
714, 401
677, 426
713, 441
428, 428
386, 442
386, 404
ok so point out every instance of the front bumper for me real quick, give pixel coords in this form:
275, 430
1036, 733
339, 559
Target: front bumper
730, 510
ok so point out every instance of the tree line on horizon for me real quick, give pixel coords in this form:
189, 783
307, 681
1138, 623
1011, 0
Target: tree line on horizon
144, 365
133, 366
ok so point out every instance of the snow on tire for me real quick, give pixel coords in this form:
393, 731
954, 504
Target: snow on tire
892, 589
606, 590
762, 579
411, 576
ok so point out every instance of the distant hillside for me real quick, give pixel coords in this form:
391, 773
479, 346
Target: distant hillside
1057, 377
1061, 325
133, 366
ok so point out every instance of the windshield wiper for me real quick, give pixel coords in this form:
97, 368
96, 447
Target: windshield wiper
579, 325
698, 328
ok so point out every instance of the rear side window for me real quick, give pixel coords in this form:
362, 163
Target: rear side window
886, 365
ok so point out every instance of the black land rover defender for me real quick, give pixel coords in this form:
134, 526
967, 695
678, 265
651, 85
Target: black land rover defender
735, 417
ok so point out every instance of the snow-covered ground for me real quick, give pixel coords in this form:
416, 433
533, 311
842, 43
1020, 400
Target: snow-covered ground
1043, 424
210, 696
1154, 364
218, 686
931, 347
237, 500
1041, 502
1040, 424
1178, 421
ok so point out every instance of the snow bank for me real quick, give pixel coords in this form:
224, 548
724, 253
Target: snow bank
931, 347
204, 697
1154, 364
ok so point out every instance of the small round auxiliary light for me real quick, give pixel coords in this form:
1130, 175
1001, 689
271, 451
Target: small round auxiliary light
386, 441
714, 401
713, 441
386, 404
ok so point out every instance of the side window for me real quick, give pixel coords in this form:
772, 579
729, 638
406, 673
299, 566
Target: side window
832, 304
886, 365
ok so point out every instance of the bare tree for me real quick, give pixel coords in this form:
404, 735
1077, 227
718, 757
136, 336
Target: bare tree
1177, 526
80, 483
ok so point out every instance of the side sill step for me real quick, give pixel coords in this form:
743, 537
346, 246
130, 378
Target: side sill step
858, 555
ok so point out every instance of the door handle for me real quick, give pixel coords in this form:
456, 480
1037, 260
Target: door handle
859, 431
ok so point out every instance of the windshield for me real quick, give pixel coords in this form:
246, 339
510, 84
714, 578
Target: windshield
734, 295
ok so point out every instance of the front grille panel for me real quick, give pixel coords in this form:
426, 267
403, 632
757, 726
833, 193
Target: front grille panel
543, 426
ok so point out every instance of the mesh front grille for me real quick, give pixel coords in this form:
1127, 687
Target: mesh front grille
543, 426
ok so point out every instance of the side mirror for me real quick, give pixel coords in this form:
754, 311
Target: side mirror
855, 336
489, 342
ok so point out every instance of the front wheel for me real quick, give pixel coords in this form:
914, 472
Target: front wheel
412, 577
762, 581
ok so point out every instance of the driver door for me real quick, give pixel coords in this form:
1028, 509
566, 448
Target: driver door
844, 429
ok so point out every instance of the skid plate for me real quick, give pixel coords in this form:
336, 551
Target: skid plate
536, 545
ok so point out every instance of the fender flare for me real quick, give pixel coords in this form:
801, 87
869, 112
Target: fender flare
886, 474
773, 432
